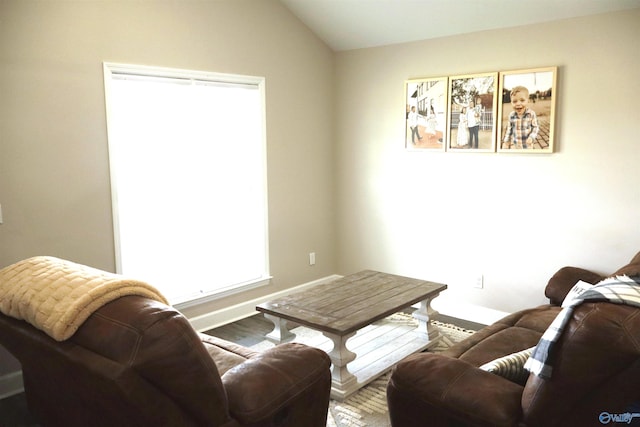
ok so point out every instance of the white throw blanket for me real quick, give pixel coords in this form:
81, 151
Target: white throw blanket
57, 296
617, 290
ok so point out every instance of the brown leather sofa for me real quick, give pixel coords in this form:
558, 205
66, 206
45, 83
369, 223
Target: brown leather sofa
137, 362
595, 381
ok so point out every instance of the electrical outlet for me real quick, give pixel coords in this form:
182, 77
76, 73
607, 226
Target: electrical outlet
479, 283
312, 258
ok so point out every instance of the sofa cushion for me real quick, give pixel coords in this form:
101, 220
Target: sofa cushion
265, 385
564, 279
225, 354
510, 366
632, 269
513, 333
537, 319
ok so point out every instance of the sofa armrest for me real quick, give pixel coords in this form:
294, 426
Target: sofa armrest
561, 283
290, 383
445, 390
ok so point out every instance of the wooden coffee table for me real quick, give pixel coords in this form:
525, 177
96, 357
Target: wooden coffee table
341, 308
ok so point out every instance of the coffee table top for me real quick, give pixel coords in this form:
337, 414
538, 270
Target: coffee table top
351, 302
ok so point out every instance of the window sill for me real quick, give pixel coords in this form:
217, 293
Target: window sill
202, 298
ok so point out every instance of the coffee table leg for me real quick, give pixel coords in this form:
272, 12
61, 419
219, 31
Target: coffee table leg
343, 382
280, 332
424, 314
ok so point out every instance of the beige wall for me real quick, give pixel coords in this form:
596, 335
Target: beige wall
513, 218
448, 217
54, 177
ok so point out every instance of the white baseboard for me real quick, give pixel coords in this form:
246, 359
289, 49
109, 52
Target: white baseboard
245, 309
465, 311
11, 384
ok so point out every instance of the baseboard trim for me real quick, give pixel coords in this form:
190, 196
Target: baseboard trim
245, 309
11, 384
471, 312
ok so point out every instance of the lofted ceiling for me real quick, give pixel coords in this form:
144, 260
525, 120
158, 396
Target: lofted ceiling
355, 24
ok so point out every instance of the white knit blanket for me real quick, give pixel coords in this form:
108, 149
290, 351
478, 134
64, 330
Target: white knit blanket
57, 296
616, 290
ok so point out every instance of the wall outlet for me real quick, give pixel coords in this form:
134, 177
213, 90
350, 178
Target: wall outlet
312, 258
479, 282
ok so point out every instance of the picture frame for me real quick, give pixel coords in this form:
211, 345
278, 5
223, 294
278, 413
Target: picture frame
472, 112
527, 128
426, 114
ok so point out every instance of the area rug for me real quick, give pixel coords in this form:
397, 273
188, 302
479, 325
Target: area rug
368, 406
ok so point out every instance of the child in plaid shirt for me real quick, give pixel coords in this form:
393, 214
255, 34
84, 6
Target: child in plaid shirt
522, 129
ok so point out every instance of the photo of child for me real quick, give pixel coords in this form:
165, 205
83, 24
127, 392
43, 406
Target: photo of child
527, 110
522, 127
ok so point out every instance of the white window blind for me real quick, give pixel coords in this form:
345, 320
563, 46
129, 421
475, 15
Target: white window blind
188, 171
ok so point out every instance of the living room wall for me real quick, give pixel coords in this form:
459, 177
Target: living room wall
512, 218
54, 169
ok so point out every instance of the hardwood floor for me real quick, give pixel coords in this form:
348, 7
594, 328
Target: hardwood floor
14, 412
251, 330
247, 332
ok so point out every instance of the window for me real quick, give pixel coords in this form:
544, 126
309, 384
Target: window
188, 170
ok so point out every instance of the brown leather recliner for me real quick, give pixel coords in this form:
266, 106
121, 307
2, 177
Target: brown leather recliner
137, 362
595, 380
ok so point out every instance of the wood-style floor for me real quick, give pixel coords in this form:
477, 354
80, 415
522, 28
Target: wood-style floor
14, 412
247, 332
251, 331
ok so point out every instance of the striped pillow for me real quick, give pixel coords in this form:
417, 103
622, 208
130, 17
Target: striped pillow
510, 366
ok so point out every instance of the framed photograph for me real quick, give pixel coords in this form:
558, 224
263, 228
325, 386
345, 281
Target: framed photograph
426, 114
527, 110
472, 113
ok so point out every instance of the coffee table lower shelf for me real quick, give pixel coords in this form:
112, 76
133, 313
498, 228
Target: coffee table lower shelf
378, 347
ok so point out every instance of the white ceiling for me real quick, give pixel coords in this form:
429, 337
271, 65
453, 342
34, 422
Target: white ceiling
354, 24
